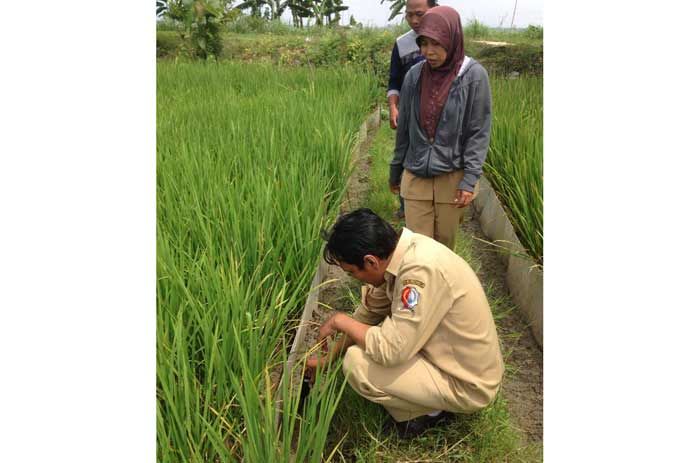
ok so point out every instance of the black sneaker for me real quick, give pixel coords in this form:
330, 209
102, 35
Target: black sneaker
416, 426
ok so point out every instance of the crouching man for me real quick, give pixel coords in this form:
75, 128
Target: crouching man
423, 342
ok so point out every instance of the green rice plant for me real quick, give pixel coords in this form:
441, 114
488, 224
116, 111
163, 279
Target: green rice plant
252, 163
514, 162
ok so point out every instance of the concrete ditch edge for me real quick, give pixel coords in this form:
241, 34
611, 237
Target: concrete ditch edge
523, 276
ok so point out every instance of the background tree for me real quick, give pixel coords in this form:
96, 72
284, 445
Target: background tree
335, 7
255, 7
277, 7
300, 9
328, 11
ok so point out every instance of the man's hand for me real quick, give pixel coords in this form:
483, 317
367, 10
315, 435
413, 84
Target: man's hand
354, 334
313, 362
316, 360
463, 197
393, 117
396, 189
328, 328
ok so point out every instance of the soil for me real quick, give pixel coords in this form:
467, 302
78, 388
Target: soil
522, 386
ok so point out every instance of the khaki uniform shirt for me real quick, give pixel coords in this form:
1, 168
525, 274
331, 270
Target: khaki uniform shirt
432, 302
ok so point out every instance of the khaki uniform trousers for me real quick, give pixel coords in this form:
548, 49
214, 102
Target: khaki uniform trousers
406, 391
429, 205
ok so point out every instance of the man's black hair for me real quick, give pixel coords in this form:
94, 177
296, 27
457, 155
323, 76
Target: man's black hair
357, 234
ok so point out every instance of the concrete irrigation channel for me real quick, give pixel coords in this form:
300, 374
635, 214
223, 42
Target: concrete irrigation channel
523, 276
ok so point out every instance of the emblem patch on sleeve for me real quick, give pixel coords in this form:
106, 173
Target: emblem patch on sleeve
409, 297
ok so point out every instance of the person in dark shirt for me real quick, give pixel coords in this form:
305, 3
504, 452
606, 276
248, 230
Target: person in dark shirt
404, 55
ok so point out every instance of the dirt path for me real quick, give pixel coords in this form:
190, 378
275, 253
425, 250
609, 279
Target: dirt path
493, 44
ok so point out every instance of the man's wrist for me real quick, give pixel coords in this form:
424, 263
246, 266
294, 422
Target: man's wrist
337, 320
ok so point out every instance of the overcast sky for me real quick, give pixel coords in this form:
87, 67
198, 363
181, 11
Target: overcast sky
490, 12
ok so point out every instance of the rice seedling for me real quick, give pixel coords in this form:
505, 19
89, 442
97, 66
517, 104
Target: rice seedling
514, 162
252, 163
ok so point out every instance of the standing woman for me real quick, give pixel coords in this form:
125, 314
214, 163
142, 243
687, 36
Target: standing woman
443, 129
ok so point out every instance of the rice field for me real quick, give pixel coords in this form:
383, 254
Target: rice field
252, 163
514, 164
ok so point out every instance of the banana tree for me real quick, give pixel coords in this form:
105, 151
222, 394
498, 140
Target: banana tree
333, 8
300, 9
255, 7
396, 7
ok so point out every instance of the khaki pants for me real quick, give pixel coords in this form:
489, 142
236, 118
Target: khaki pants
429, 205
407, 391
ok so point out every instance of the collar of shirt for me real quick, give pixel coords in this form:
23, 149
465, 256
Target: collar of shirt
397, 256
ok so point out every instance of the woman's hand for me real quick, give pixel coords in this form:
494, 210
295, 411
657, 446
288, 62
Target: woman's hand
463, 197
393, 117
396, 189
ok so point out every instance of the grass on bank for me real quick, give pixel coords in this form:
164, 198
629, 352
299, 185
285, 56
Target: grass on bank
247, 24
487, 436
367, 47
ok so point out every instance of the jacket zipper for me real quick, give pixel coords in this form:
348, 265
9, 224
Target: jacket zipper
430, 150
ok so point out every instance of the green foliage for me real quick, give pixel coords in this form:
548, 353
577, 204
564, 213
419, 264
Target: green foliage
502, 60
475, 29
199, 23
252, 162
167, 24
534, 32
361, 47
167, 44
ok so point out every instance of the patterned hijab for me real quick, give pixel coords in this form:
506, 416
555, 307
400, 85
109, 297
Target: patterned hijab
441, 24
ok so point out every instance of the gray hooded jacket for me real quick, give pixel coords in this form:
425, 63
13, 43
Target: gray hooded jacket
462, 134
